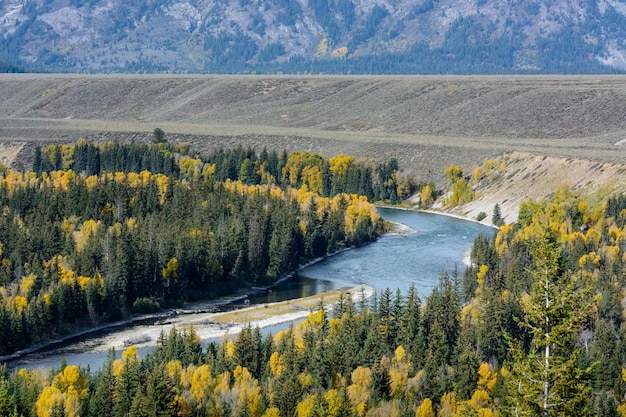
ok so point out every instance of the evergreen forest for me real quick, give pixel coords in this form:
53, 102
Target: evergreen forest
97, 233
535, 327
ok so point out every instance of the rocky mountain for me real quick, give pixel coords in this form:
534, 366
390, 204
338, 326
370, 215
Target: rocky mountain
343, 36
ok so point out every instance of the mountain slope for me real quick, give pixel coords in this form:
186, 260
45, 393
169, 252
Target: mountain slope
436, 36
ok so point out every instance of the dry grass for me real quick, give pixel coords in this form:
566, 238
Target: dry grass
427, 123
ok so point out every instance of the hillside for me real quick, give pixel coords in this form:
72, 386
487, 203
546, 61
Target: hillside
521, 176
428, 123
330, 36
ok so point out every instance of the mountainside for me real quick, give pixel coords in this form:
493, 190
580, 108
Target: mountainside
355, 36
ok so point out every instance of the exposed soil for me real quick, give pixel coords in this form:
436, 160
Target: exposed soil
535, 176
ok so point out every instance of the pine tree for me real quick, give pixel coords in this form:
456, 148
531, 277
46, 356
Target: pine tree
101, 402
128, 382
466, 375
7, 401
248, 350
37, 161
497, 219
158, 135
546, 380
160, 393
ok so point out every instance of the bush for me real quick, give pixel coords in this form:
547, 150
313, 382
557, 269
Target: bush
481, 216
145, 305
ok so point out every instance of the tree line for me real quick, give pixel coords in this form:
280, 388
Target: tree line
79, 248
327, 177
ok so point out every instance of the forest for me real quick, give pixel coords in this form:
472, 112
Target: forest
534, 327
96, 233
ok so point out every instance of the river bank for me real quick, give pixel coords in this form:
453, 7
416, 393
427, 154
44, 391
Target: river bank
172, 315
229, 324
436, 210
398, 229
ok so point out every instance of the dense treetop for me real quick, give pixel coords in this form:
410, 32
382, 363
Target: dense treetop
535, 326
94, 233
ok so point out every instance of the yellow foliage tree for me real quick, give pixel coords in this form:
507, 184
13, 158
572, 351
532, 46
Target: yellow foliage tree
334, 401
454, 173
68, 388
48, 399
312, 177
426, 196
305, 406
130, 357
249, 392
339, 165
170, 273
359, 391
399, 372
425, 409
340, 52
447, 408
201, 383
276, 364
486, 377
272, 412
322, 47
89, 228
27, 283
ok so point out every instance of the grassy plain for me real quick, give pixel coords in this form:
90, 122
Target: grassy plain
427, 123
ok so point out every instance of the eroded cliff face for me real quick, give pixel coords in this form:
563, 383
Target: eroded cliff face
511, 179
353, 35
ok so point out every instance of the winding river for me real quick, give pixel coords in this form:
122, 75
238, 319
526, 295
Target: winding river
438, 244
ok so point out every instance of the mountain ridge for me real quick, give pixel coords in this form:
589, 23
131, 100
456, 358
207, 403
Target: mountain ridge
341, 36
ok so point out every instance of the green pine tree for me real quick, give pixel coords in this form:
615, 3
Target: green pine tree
546, 380
7, 401
497, 219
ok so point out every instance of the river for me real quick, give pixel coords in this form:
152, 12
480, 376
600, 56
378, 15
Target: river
396, 262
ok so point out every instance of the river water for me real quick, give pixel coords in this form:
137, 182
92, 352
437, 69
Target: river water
395, 262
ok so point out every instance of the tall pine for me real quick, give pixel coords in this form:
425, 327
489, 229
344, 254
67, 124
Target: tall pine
546, 380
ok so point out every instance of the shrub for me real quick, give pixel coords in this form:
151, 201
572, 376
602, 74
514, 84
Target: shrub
145, 305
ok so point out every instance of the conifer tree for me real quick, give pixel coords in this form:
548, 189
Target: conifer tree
101, 402
7, 401
497, 219
37, 161
547, 381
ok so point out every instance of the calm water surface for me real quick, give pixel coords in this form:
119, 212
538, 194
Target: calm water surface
396, 262
393, 262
